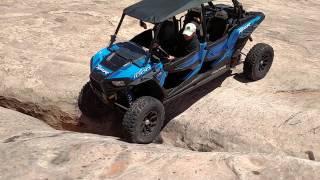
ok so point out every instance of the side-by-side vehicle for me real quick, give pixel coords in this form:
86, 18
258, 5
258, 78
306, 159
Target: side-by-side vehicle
136, 77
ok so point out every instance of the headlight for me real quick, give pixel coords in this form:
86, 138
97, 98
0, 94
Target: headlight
119, 83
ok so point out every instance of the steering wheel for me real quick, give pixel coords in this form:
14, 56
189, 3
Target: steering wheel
211, 5
158, 51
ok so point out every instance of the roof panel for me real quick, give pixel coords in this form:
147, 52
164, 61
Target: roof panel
155, 11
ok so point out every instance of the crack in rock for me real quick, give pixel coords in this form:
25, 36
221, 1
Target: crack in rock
52, 115
290, 118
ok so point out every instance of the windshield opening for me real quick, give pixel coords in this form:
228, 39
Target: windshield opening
137, 31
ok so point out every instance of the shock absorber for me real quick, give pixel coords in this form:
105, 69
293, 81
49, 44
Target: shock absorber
124, 99
129, 98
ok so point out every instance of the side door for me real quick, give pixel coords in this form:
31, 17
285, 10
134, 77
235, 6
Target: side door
191, 62
217, 49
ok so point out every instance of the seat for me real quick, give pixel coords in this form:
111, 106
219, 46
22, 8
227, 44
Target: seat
144, 39
217, 25
168, 34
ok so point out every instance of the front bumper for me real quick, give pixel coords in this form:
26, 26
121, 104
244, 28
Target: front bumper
105, 90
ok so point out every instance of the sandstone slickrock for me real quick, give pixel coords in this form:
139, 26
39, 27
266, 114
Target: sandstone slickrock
45, 48
278, 114
30, 149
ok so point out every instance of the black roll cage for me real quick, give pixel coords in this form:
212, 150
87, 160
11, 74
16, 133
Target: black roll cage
158, 27
237, 5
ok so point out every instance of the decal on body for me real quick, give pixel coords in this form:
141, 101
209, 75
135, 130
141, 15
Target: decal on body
100, 68
248, 28
141, 72
241, 29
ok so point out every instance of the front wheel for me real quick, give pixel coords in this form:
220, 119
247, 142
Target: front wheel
143, 121
89, 104
258, 61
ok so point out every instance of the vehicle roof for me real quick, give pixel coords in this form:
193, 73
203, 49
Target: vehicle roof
156, 11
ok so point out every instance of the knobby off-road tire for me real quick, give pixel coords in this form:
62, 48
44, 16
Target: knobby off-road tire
143, 121
89, 104
258, 62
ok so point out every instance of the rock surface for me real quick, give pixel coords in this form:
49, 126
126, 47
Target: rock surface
45, 47
30, 149
280, 113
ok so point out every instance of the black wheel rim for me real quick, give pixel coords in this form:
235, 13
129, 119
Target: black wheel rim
149, 123
264, 62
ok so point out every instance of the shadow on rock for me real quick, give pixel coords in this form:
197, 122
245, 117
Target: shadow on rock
181, 104
241, 78
110, 125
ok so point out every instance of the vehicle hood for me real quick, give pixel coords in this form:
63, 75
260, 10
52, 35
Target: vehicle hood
121, 61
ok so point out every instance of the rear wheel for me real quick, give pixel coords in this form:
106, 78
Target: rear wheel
258, 61
143, 121
89, 104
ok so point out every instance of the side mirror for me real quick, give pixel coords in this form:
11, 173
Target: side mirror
143, 24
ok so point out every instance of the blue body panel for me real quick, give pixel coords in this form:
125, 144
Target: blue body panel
242, 31
218, 54
228, 46
98, 57
201, 55
162, 74
131, 72
217, 49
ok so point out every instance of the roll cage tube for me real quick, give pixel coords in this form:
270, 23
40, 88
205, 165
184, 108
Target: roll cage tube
155, 40
237, 5
203, 26
204, 37
114, 36
158, 26
238, 8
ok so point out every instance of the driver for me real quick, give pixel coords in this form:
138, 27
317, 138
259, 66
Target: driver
187, 43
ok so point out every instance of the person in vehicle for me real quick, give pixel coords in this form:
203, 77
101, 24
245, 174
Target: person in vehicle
188, 42
194, 17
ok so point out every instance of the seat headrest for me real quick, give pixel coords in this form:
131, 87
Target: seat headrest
222, 14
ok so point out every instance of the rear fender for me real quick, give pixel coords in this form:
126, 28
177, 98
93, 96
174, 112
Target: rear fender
239, 34
245, 29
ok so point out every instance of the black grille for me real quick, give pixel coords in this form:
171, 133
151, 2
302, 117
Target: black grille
97, 76
95, 85
107, 86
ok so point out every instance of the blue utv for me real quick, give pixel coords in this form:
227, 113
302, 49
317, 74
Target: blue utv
136, 77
